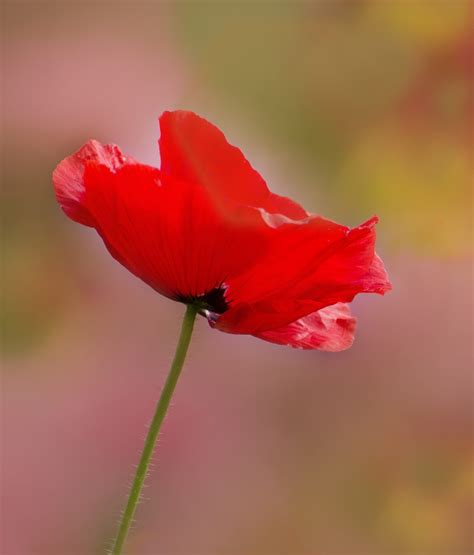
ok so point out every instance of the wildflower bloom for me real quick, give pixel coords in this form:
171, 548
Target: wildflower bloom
204, 229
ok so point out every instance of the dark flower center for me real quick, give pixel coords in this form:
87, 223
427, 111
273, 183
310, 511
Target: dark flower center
210, 304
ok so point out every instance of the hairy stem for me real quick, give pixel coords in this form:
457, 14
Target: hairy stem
160, 413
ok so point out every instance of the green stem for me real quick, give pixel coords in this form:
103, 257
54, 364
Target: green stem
160, 413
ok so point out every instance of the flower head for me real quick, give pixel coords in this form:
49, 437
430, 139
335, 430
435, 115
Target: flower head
205, 229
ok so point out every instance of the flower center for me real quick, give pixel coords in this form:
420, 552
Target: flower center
210, 304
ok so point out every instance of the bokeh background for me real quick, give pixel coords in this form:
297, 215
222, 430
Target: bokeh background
351, 107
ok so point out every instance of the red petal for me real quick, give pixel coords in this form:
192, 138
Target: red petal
192, 149
311, 265
68, 177
352, 267
169, 233
329, 329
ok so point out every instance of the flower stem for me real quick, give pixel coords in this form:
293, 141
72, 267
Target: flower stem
160, 413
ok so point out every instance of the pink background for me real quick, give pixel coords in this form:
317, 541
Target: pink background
350, 107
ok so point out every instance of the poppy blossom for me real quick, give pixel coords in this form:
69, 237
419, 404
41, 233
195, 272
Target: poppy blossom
204, 229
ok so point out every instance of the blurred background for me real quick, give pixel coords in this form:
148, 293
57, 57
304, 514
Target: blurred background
350, 107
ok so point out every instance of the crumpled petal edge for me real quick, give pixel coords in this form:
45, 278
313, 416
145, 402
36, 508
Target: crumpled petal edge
330, 329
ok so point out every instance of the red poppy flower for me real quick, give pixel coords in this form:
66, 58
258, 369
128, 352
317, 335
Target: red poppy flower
205, 229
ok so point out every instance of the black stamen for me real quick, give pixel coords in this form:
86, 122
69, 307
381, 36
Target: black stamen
213, 301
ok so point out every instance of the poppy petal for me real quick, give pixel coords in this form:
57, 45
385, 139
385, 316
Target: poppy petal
352, 267
312, 266
68, 177
169, 233
194, 150
329, 329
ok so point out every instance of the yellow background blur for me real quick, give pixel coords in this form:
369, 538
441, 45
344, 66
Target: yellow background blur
351, 107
